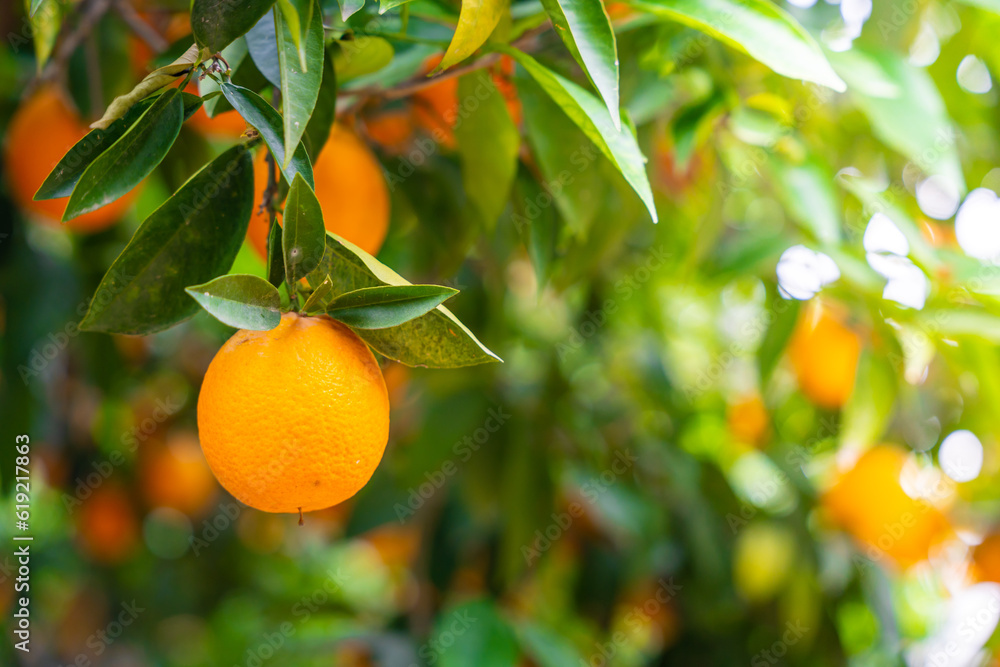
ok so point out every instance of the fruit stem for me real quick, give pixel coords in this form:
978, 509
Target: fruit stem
301, 520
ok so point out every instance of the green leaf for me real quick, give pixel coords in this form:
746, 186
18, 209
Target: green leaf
349, 8
324, 115
808, 194
130, 159
546, 647
320, 297
257, 112
262, 44
234, 54
275, 257
33, 7
488, 143
387, 305
914, 122
617, 144
299, 85
190, 239
45, 23
872, 403
585, 27
298, 16
485, 640
360, 56
216, 23
241, 301
476, 21
758, 27
154, 81
386, 5
434, 340
303, 237
784, 316
537, 225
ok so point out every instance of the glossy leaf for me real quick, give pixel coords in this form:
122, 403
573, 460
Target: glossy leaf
586, 111
257, 112
262, 44
64, 176
275, 256
299, 85
234, 54
758, 27
324, 114
216, 23
298, 16
434, 340
488, 143
303, 236
586, 29
130, 159
476, 21
241, 301
349, 8
387, 305
190, 239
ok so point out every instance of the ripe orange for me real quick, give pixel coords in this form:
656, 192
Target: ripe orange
748, 419
436, 107
176, 475
351, 190
106, 525
869, 502
392, 130
296, 417
41, 131
824, 354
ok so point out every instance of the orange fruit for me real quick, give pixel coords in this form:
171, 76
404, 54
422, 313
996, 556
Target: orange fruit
869, 502
824, 354
295, 418
986, 559
392, 130
351, 190
176, 475
748, 419
436, 107
106, 525
40, 132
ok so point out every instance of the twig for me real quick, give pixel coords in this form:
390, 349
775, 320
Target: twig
145, 32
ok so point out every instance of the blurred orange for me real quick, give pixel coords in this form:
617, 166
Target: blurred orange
986, 559
392, 130
748, 419
351, 189
171, 26
106, 525
869, 502
824, 354
41, 131
176, 475
397, 545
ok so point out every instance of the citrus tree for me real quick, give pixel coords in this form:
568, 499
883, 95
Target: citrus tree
737, 258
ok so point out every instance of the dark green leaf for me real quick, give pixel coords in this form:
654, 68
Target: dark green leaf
216, 23
486, 640
587, 112
585, 27
324, 115
488, 142
130, 159
241, 301
387, 305
537, 225
303, 236
257, 112
758, 27
320, 297
299, 85
275, 258
262, 44
435, 340
190, 239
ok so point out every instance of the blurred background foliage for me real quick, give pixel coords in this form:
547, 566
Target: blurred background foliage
683, 460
